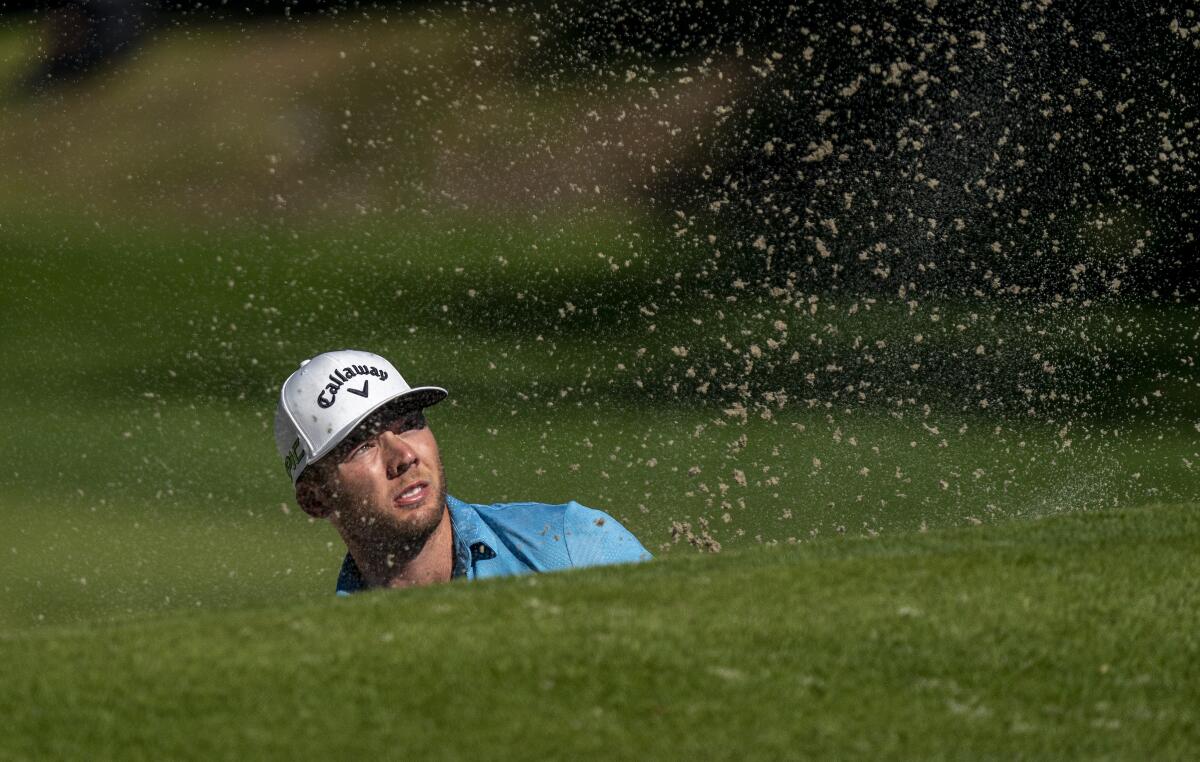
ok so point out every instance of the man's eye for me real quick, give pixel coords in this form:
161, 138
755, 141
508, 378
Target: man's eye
359, 450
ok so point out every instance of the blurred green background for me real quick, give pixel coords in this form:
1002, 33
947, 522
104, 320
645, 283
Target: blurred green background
179, 229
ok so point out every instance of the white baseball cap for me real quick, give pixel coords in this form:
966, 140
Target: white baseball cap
330, 394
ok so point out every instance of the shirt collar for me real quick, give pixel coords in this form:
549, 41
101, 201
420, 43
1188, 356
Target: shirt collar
473, 539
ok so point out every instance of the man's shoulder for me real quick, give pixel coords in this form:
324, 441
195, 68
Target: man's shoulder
517, 509
583, 535
520, 515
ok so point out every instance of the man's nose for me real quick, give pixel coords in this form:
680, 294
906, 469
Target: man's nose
400, 455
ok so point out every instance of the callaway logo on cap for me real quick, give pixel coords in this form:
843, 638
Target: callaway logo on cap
329, 395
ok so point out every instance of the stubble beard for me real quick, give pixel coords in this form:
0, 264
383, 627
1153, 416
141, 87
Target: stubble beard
399, 538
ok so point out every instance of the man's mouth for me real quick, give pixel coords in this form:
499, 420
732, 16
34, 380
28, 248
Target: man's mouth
413, 494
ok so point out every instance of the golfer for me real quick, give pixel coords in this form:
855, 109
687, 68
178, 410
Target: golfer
355, 442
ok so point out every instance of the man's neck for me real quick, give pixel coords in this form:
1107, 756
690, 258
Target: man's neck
434, 562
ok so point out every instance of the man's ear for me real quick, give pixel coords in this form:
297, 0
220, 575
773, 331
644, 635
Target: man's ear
313, 497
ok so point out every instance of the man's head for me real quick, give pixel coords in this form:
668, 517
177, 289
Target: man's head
353, 438
330, 395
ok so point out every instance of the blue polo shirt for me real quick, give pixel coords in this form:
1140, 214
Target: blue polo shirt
519, 538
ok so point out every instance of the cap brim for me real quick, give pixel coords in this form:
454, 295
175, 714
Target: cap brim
419, 397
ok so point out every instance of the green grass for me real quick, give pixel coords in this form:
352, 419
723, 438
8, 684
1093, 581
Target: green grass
140, 505
1073, 636
160, 594
138, 428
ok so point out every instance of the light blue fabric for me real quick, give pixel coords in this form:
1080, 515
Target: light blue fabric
518, 538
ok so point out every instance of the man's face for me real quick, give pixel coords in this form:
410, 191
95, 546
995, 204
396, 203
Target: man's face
386, 483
